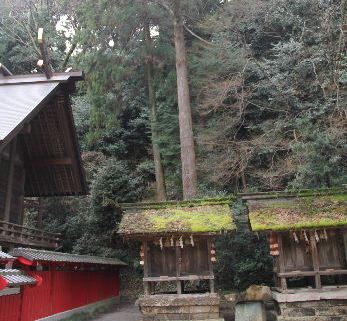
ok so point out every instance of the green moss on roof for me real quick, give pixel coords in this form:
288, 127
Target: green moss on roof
173, 204
319, 211
178, 218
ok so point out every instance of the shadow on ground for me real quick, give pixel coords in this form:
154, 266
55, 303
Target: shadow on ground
126, 311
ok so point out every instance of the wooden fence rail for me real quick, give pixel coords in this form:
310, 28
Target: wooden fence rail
22, 235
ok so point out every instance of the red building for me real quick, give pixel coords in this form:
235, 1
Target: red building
40, 157
47, 283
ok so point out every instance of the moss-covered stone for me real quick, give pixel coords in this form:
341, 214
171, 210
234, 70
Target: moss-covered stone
178, 218
318, 211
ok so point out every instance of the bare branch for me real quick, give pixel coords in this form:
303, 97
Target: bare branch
198, 37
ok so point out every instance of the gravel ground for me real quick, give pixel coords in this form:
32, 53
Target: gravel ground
125, 312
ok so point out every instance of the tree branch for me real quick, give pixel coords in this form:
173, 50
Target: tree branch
68, 55
198, 37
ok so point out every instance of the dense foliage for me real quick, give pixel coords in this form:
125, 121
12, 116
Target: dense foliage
269, 108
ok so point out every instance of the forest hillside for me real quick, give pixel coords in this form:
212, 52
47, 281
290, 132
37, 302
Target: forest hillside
266, 96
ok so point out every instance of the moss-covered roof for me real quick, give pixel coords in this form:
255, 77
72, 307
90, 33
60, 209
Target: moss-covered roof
194, 217
298, 212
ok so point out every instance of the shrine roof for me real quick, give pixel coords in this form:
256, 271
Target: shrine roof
302, 210
210, 216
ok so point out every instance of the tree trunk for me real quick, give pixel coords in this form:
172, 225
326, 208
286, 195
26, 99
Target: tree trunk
159, 171
189, 177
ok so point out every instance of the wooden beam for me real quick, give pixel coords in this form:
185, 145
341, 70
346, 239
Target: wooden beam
145, 266
312, 273
178, 268
9, 189
178, 278
45, 63
344, 235
281, 262
210, 265
315, 260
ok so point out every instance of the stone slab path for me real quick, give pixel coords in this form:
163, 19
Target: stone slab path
125, 312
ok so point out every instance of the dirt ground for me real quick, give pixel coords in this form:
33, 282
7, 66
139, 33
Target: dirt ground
125, 312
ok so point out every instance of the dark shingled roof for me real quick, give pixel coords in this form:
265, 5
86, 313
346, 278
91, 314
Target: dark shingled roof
17, 277
51, 256
40, 108
211, 216
22, 95
315, 209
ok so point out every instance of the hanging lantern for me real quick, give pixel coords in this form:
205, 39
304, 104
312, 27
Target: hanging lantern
213, 253
274, 249
142, 255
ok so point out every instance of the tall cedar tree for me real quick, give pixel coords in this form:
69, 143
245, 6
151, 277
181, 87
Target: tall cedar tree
158, 166
189, 177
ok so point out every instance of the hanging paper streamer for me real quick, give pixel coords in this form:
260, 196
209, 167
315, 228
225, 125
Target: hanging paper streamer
296, 239
181, 242
305, 237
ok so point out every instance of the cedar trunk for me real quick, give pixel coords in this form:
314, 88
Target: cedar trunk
189, 177
159, 171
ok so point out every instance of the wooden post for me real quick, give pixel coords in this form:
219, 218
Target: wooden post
281, 262
210, 264
45, 63
315, 260
9, 190
178, 268
145, 266
344, 235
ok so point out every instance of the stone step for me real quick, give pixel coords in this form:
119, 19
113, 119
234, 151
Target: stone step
312, 318
315, 311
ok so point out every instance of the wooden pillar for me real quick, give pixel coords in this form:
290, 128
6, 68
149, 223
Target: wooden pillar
210, 265
315, 260
9, 188
281, 264
344, 235
178, 268
145, 266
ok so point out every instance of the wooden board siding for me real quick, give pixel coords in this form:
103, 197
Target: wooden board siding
312, 258
177, 261
4, 166
12, 177
16, 212
331, 252
193, 260
296, 255
162, 261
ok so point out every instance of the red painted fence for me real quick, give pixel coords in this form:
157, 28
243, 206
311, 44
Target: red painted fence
60, 291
